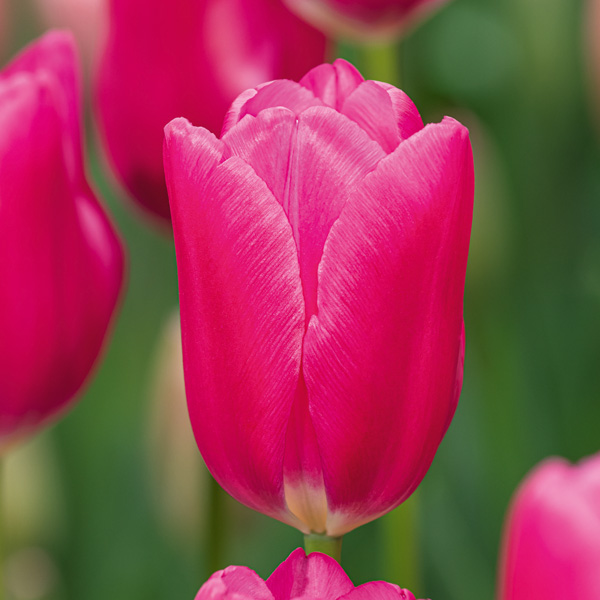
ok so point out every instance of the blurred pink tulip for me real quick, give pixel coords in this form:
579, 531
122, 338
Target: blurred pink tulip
61, 263
321, 248
373, 19
188, 58
313, 577
87, 19
552, 534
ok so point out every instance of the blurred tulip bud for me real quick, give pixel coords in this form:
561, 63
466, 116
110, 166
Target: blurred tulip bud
311, 577
87, 20
61, 263
187, 58
180, 476
321, 249
552, 534
364, 19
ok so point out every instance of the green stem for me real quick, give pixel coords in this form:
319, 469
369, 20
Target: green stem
3, 591
381, 61
332, 546
400, 546
216, 525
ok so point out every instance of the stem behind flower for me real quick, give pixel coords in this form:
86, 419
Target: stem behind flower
332, 546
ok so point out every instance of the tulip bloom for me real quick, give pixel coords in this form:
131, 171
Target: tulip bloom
552, 534
188, 58
61, 264
311, 577
321, 248
363, 18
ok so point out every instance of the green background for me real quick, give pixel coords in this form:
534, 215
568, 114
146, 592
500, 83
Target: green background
84, 502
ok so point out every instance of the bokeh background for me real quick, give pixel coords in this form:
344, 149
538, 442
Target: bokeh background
114, 501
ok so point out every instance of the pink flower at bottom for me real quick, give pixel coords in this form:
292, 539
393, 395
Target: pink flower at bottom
552, 534
313, 577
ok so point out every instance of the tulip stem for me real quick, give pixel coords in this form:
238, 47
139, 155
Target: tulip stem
379, 61
216, 523
332, 546
2, 533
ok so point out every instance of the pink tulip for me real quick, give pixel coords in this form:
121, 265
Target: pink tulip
312, 577
321, 247
363, 18
61, 263
188, 58
85, 18
552, 534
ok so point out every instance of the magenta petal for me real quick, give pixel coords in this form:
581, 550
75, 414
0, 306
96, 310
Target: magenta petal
312, 577
264, 142
242, 315
333, 83
371, 108
378, 590
382, 353
330, 155
406, 114
234, 583
282, 93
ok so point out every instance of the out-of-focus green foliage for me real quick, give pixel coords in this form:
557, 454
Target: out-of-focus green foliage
85, 509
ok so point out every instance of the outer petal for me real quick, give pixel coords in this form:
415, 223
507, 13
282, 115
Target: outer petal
242, 314
378, 590
313, 577
382, 353
60, 286
234, 583
189, 58
552, 538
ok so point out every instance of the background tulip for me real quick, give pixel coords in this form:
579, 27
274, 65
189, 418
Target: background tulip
552, 534
188, 58
321, 248
311, 577
363, 18
87, 19
62, 263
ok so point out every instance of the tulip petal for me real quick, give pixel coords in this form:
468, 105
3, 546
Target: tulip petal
370, 107
333, 83
378, 590
282, 92
242, 314
406, 113
382, 352
234, 583
264, 142
330, 155
311, 577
